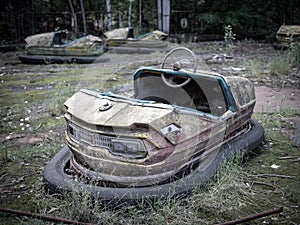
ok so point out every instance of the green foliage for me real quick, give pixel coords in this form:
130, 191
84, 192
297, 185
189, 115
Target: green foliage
251, 19
229, 38
229, 35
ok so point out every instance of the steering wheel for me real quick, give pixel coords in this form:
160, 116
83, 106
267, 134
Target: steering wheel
169, 81
176, 59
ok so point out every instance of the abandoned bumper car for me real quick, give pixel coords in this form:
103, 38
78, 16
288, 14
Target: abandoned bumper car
286, 36
62, 47
177, 131
123, 40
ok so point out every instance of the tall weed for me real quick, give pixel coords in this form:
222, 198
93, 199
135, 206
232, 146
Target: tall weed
255, 67
61, 92
229, 37
279, 65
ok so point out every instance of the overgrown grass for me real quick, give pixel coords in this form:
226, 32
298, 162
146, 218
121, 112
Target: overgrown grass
295, 54
277, 122
46, 147
239, 189
277, 168
208, 205
279, 65
255, 67
61, 92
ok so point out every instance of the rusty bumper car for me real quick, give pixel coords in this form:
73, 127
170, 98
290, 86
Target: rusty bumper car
62, 47
286, 36
123, 40
177, 130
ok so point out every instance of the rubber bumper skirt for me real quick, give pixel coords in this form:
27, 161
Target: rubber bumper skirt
44, 59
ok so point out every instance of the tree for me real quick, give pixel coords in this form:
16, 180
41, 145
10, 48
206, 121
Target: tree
109, 17
83, 16
129, 12
74, 18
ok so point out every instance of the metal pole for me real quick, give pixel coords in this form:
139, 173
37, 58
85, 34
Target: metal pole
253, 217
166, 16
43, 217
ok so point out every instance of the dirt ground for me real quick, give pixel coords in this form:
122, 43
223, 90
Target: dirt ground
272, 92
246, 59
270, 99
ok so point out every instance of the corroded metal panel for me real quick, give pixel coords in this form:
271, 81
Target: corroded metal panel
286, 35
243, 90
44, 39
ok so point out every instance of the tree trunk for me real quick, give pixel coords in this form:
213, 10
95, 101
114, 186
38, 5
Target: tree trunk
140, 14
74, 19
52, 10
159, 12
109, 19
83, 17
120, 20
129, 13
32, 19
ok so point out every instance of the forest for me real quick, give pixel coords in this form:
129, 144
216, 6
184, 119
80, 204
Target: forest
250, 19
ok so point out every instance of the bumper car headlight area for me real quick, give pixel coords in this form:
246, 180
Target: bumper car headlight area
128, 148
125, 147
